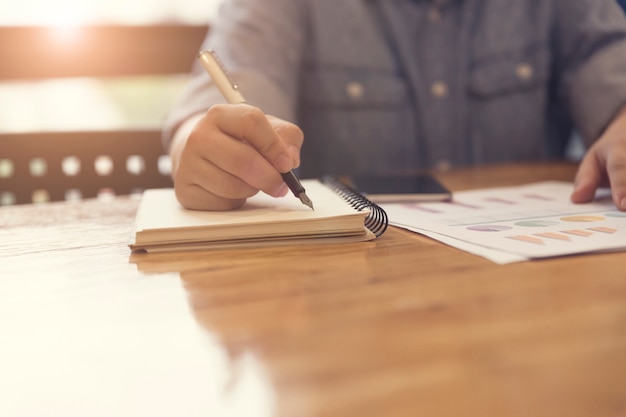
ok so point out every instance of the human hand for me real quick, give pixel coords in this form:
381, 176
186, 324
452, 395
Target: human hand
604, 165
233, 151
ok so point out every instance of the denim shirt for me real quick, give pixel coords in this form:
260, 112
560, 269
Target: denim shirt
389, 85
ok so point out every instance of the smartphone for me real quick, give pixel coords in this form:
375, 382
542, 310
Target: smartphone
400, 188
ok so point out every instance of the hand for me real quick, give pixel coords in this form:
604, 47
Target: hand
233, 151
604, 165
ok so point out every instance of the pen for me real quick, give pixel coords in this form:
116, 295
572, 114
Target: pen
218, 73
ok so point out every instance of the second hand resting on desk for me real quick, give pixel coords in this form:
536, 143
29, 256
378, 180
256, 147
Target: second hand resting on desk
231, 93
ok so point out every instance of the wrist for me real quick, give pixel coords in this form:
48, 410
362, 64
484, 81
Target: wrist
179, 139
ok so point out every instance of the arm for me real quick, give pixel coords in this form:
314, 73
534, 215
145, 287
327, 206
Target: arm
591, 59
605, 164
226, 154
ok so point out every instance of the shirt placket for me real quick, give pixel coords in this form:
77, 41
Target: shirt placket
438, 43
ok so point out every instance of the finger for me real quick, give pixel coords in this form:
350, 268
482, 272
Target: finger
588, 178
201, 185
199, 188
231, 159
616, 170
243, 161
229, 156
214, 180
249, 124
291, 134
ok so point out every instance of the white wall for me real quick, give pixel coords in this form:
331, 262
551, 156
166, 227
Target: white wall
62, 12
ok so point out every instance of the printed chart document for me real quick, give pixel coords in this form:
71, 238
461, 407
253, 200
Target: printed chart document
162, 224
512, 224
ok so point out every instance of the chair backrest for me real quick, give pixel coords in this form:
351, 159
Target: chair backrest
53, 166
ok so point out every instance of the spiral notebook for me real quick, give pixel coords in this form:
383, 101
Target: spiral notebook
341, 215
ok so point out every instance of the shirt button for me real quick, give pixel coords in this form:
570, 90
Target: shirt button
434, 15
355, 90
439, 89
524, 71
443, 165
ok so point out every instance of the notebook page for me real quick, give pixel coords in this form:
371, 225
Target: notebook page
159, 209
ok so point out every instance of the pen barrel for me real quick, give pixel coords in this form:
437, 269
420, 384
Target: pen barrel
293, 183
218, 74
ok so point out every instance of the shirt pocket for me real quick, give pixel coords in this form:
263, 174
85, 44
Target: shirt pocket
356, 120
354, 88
508, 99
510, 72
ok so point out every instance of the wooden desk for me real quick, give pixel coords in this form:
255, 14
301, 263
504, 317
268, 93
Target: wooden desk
402, 326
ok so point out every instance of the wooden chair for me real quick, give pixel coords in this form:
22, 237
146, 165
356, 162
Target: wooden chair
54, 166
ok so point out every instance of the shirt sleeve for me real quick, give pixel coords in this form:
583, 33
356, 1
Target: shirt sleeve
591, 58
262, 50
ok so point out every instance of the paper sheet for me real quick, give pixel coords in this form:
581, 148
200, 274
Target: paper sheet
515, 223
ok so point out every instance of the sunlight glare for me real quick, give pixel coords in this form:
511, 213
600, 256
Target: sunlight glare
60, 13
67, 33
73, 17
63, 13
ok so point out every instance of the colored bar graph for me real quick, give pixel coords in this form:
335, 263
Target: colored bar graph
500, 200
578, 232
554, 235
537, 197
422, 208
527, 239
582, 219
603, 229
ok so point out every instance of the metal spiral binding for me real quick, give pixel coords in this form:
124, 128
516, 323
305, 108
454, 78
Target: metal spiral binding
376, 221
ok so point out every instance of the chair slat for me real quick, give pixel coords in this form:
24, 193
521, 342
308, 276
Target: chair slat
97, 51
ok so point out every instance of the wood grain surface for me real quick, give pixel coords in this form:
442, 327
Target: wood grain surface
400, 326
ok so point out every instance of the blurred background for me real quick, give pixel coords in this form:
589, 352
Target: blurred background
87, 103
85, 86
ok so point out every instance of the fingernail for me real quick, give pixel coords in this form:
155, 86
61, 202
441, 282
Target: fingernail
284, 163
623, 204
295, 152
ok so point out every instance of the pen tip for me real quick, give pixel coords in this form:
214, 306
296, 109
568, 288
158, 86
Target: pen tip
306, 200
